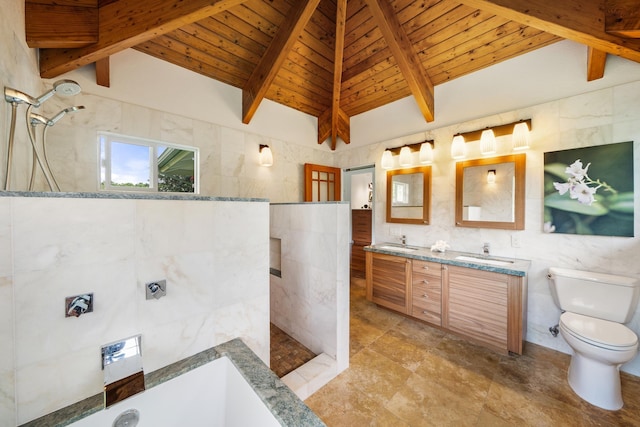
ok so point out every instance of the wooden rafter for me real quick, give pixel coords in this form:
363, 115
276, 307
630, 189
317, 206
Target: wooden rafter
265, 72
622, 18
596, 61
123, 24
577, 20
334, 122
64, 24
405, 55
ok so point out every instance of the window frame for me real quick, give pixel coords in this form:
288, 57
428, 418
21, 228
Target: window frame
106, 163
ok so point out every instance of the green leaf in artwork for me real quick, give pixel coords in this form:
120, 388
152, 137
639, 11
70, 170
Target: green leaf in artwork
557, 169
621, 202
567, 204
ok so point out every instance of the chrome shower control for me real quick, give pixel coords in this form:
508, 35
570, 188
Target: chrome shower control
77, 305
156, 290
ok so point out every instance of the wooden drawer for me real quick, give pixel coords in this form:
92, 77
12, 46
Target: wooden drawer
427, 267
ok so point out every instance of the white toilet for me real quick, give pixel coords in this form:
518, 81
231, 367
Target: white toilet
595, 307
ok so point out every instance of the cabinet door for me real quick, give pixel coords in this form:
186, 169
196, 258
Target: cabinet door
477, 305
388, 281
426, 291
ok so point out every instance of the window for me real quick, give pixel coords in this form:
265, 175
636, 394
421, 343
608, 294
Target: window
400, 193
136, 164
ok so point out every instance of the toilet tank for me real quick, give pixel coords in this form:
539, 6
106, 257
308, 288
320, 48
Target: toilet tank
605, 296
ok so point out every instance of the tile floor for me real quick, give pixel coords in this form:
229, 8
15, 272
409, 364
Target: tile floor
404, 373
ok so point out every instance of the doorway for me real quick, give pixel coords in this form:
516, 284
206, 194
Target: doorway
359, 189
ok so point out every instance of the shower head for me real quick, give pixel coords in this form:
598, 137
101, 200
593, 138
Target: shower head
53, 120
17, 97
37, 119
62, 87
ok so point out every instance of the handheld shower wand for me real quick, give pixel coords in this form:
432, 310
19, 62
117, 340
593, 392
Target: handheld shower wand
34, 120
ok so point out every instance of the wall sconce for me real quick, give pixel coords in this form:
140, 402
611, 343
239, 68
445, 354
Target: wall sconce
266, 156
487, 142
519, 131
425, 149
426, 153
491, 176
458, 148
405, 157
521, 136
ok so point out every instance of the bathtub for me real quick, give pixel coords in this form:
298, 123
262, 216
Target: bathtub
214, 394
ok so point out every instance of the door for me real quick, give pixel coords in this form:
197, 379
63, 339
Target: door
321, 183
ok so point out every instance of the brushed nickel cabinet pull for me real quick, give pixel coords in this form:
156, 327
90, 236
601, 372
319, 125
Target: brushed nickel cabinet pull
425, 295
425, 281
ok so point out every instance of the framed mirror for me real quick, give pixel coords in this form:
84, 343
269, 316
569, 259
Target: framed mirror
409, 195
490, 192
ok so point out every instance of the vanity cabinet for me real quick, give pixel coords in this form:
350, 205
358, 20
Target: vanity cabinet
426, 291
486, 307
388, 281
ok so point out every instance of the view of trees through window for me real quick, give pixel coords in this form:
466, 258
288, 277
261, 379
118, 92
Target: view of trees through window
134, 164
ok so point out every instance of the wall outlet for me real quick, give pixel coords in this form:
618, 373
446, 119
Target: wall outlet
515, 241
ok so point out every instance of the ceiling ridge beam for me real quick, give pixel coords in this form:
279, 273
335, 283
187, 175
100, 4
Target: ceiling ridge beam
577, 20
336, 126
124, 24
265, 72
405, 55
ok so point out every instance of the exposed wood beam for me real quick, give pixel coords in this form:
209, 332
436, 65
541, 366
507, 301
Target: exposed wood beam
333, 126
577, 20
622, 18
124, 24
405, 55
265, 72
596, 61
58, 25
103, 75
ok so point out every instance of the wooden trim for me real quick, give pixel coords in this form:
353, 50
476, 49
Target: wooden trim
520, 162
426, 195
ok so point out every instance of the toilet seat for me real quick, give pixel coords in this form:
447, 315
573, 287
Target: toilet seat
598, 332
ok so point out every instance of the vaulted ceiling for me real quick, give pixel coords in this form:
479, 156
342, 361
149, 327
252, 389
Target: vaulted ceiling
332, 59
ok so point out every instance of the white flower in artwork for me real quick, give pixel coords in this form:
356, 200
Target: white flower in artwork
549, 227
583, 193
578, 184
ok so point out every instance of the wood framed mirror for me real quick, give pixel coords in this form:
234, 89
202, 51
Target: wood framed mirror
490, 193
409, 195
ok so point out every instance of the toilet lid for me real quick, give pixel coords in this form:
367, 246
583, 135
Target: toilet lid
602, 333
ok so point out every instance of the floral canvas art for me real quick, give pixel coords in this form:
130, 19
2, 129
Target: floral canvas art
589, 190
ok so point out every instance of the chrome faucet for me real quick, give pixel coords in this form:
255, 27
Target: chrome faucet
485, 249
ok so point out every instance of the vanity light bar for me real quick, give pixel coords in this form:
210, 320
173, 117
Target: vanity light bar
412, 147
500, 130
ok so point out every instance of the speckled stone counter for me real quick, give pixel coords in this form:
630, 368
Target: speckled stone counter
515, 267
126, 195
288, 409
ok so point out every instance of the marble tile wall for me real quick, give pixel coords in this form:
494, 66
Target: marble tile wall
213, 254
595, 118
310, 301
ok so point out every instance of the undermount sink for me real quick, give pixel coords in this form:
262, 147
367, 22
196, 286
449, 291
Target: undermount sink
482, 260
397, 248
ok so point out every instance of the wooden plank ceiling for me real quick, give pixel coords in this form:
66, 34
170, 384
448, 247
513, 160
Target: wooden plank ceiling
332, 59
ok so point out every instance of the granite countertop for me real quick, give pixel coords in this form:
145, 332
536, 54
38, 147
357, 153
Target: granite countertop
283, 403
126, 195
512, 266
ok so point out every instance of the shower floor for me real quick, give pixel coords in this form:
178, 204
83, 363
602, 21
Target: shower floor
287, 354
